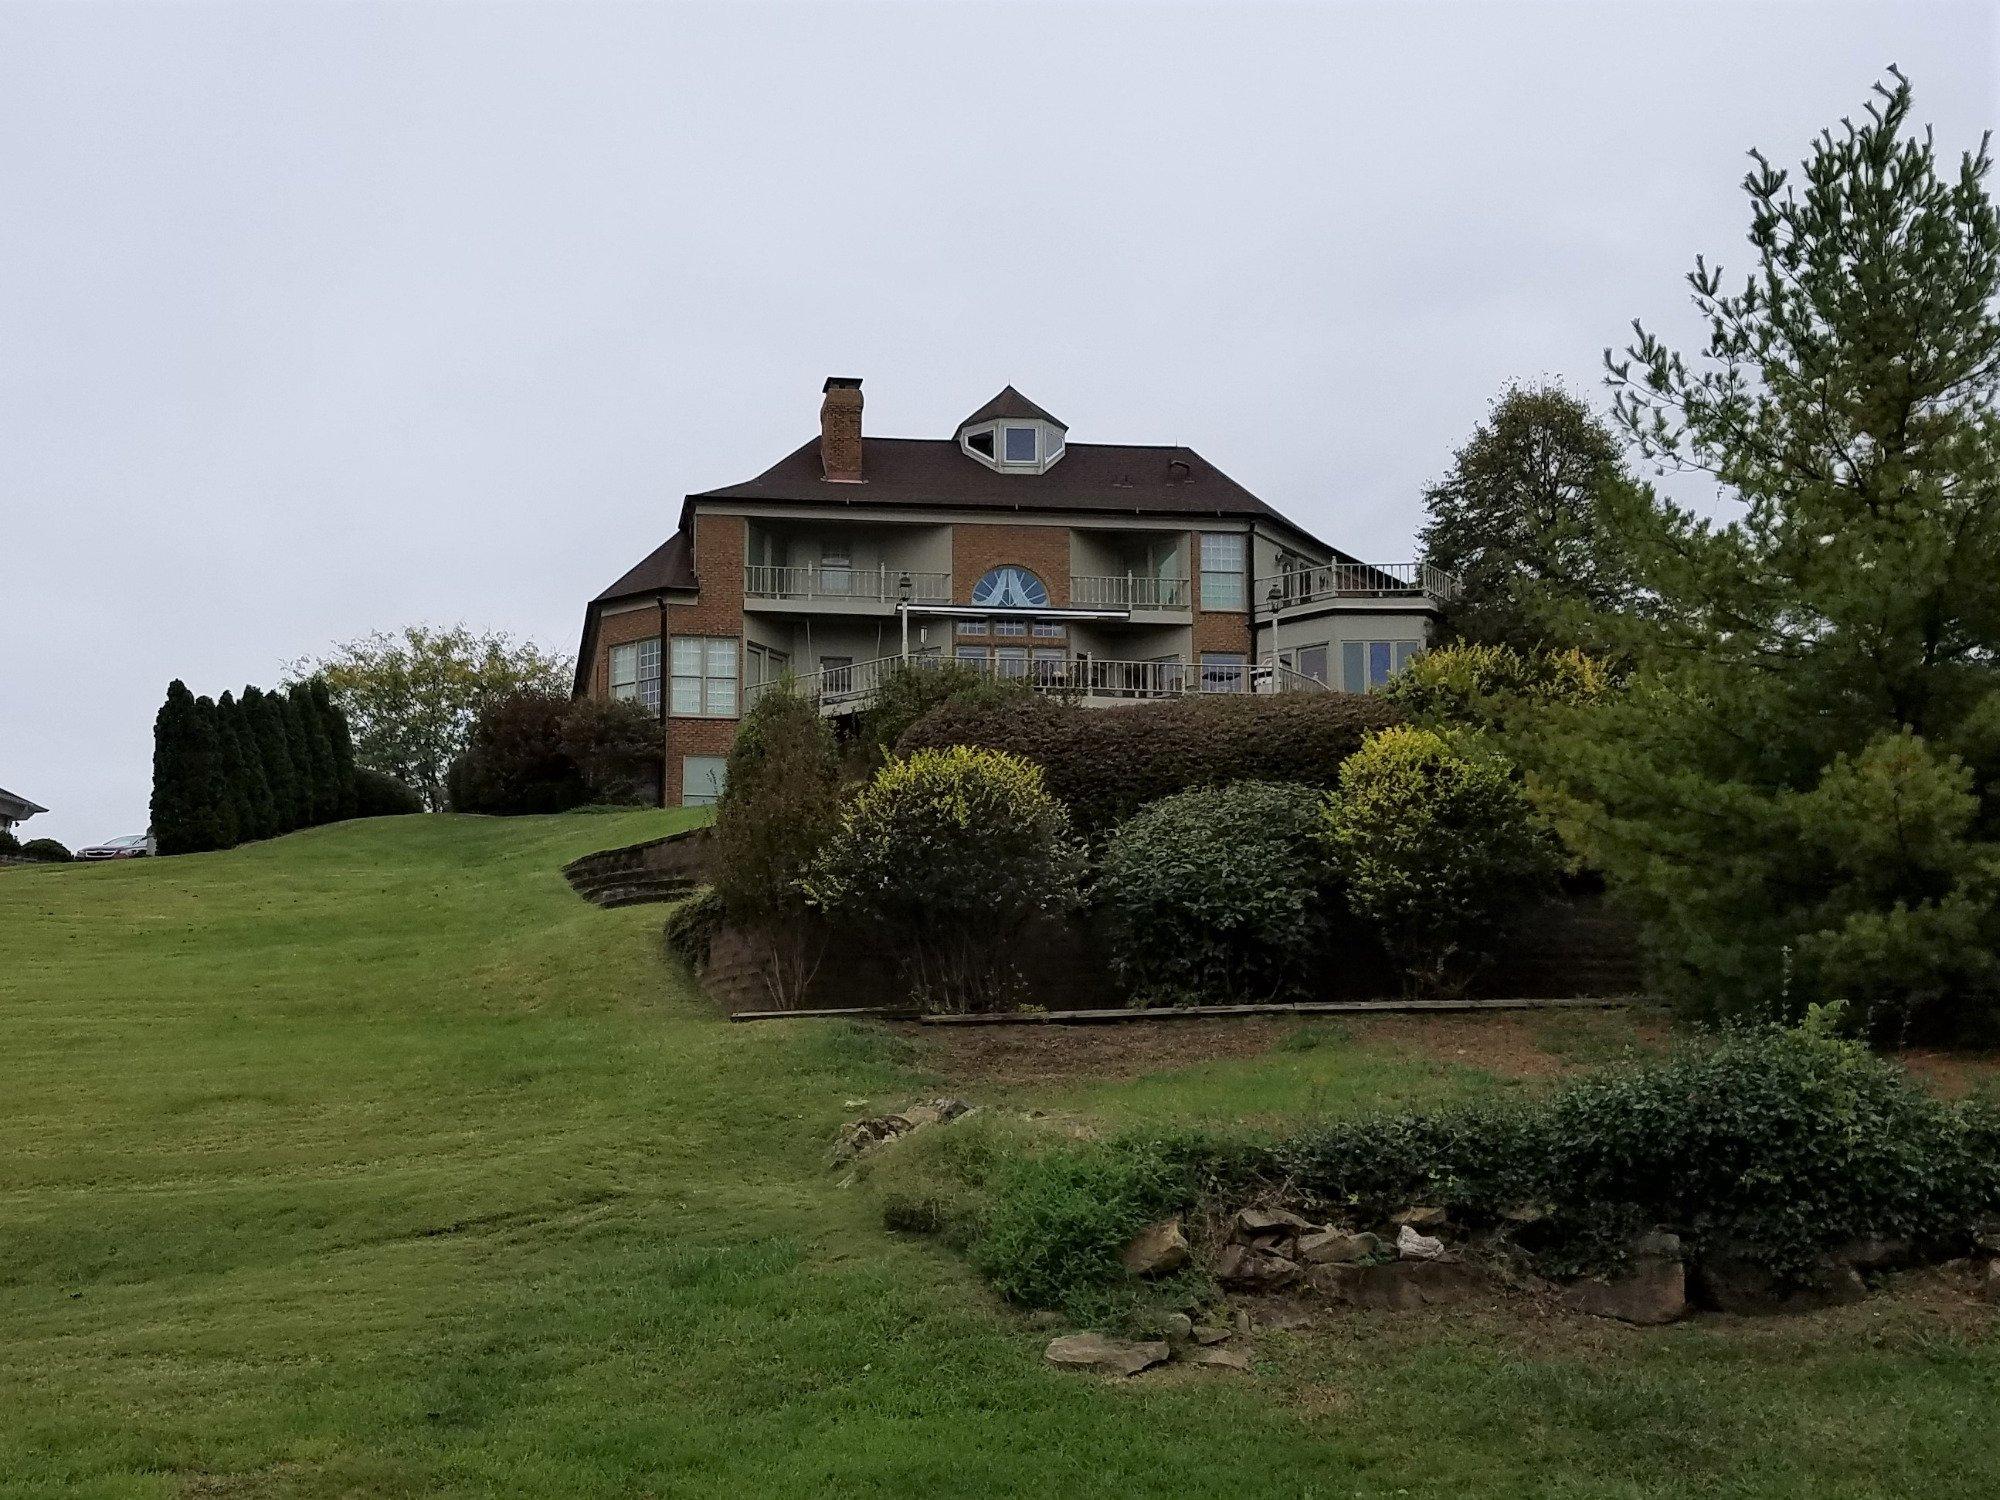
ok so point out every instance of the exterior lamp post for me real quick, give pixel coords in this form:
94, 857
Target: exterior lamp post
903, 612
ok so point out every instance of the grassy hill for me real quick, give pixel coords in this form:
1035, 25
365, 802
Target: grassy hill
371, 1160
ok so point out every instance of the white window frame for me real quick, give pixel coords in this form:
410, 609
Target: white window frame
1034, 443
1400, 654
1222, 584
627, 671
1010, 627
969, 627
718, 694
1051, 630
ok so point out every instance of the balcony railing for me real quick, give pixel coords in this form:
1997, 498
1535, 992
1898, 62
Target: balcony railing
851, 688
879, 585
1416, 580
1128, 591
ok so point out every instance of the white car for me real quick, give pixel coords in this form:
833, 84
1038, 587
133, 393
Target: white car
132, 846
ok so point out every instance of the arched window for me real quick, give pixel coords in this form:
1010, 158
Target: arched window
1010, 587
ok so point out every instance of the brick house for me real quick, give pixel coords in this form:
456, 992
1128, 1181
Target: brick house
1111, 572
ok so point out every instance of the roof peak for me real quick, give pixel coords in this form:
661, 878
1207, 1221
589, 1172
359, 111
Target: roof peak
1009, 403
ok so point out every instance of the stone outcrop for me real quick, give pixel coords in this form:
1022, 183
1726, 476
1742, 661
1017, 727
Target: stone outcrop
1157, 1249
1096, 1351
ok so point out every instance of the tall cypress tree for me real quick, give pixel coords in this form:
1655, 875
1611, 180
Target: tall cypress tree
258, 809
215, 797
313, 754
266, 715
341, 744
176, 748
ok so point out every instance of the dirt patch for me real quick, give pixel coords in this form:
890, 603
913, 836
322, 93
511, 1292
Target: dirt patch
1953, 1075
1512, 1044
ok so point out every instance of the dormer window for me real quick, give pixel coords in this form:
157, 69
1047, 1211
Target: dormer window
1012, 435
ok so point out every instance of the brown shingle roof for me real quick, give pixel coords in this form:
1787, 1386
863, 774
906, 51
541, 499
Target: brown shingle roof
1010, 403
1102, 478
668, 566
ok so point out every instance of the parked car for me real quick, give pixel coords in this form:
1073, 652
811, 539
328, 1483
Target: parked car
132, 846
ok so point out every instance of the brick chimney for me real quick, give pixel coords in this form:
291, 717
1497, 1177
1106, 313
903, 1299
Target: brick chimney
840, 429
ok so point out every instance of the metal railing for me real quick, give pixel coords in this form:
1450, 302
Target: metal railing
838, 690
877, 585
1128, 590
1357, 581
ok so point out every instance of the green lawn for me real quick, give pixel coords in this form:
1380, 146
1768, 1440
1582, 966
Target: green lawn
371, 1161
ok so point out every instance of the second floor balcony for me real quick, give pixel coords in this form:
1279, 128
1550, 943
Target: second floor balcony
822, 585
1357, 581
1128, 591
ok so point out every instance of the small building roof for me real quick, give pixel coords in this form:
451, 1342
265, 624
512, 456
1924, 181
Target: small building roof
1010, 403
16, 807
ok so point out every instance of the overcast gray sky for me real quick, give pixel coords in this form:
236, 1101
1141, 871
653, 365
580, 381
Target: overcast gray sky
315, 320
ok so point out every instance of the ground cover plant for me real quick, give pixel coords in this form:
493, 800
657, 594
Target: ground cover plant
302, 1197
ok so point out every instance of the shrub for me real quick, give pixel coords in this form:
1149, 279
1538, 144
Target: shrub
617, 747
691, 927
780, 804
8, 843
1464, 684
1105, 764
907, 692
377, 794
47, 850
1219, 892
1436, 848
945, 854
515, 760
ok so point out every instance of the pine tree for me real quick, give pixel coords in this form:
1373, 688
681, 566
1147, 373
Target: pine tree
176, 747
1801, 788
341, 744
214, 791
315, 755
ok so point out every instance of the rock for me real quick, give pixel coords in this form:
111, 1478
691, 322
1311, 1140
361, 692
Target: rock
1178, 1327
1253, 1221
1156, 1249
1205, 1333
1986, 1235
1221, 1359
1989, 1284
1093, 1351
1398, 1285
1418, 1218
1526, 1213
1413, 1246
1732, 1282
1245, 1268
860, 1136
1243, 1321
1874, 1252
1652, 1290
1334, 1246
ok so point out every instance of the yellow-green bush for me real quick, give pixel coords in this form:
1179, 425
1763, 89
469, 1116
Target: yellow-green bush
943, 856
1473, 684
1436, 845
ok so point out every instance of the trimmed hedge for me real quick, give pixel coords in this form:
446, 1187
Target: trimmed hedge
377, 794
1104, 764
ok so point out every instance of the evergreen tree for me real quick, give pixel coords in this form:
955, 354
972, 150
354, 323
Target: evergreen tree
315, 755
259, 807
266, 716
215, 788
341, 744
1518, 519
177, 829
1801, 787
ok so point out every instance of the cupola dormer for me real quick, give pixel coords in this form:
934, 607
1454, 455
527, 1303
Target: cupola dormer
1013, 435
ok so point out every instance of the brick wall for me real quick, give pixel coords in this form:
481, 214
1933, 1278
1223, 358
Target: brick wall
976, 550
718, 563
1215, 629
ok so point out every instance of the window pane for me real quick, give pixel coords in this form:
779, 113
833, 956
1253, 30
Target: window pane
1379, 659
687, 695
971, 655
1404, 651
703, 778
1312, 662
1221, 570
981, 442
1020, 445
1013, 660
1353, 666
1010, 627
971, 627
687, 656
1050, 629
624, 671
722, 659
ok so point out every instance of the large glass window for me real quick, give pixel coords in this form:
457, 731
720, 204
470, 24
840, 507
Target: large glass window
1223, 672
1222, 570
703, 778
836, 568
1010, 588
704, 675
1368, 664
635, 671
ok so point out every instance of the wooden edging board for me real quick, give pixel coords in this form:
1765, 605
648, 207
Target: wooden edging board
1112, 1016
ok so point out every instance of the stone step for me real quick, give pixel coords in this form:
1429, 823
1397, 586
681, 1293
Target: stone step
640, 891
